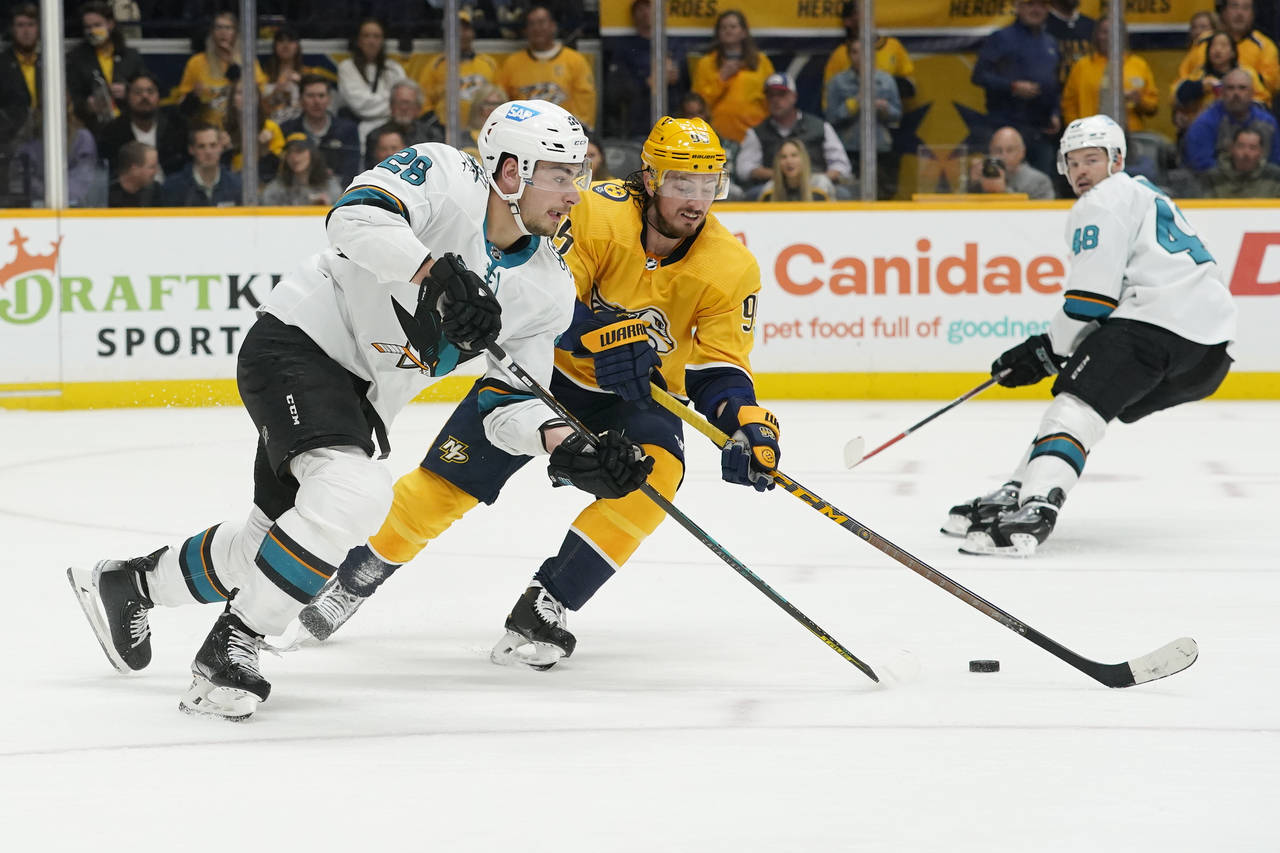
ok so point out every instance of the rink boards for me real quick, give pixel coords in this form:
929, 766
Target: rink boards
888, 301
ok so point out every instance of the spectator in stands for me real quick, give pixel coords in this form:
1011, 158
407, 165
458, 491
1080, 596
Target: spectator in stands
891, 57
475, 70
303, 178
86, 176
135, 184
21, 70
1211, 135
203, 183
1201, 25
366, 77
1075, 33
99, 67
382, 143
408, 118
1253, 48
282, 95
595, 155
204, 87
1084, 93
335, 137
144, 120
844, 107
549, 70
487, 99
730, 78
1192, 94
1005, 169
270, 136
692, 105
793, 178
761, 143
1244, 173
628, 83
1018, 68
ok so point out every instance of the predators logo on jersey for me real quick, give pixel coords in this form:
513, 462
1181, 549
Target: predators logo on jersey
656, 323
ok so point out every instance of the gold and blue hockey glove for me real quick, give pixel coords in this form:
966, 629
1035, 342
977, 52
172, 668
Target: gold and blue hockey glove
623, 355
753, 456
1027, 363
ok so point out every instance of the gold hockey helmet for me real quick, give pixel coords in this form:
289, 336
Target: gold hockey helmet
683, 157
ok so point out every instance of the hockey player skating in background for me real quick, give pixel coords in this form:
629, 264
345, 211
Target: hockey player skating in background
339, 347
1145, 325
664, 290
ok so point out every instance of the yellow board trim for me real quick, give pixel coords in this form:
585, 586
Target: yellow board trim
47, 396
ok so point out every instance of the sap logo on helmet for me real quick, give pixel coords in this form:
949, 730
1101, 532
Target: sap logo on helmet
516, 112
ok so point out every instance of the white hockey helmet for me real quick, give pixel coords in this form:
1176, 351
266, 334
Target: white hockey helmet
531, 131
1098, 131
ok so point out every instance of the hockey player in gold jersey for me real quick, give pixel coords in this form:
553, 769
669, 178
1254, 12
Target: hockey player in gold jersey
665, 294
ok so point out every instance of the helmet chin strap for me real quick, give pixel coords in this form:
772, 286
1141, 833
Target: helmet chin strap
513, 204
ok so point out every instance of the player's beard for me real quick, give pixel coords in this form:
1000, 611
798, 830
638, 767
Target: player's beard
672, 230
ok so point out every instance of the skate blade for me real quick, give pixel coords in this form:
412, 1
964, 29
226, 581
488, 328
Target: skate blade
956, 525
515, 650
84, 584
206, 699
981, 544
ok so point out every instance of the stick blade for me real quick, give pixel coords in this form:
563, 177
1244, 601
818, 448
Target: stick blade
1165, 661
853, 451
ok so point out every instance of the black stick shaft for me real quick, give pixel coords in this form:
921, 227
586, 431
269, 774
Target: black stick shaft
683, 520
1112, 675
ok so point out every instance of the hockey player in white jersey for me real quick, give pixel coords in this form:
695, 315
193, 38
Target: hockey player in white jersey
1145, 325
339, 347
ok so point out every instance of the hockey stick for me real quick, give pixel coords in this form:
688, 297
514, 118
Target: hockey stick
683, 520
853, 450
1166, 660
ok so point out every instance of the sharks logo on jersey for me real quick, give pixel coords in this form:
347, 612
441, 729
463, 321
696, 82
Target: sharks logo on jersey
472, 166
659, 327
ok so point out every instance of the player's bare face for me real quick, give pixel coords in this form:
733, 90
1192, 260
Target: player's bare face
549, 196
1086, 168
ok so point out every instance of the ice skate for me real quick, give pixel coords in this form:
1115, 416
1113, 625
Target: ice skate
981, 510
112, 600
225, 680
1017, 533
329, 610
536, 636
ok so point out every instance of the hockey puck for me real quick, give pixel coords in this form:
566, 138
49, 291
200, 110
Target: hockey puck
984, 666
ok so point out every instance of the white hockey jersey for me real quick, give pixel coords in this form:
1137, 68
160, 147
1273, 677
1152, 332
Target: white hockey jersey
1134, 256
427, 199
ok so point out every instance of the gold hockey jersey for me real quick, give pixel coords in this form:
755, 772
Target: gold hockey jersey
699, 302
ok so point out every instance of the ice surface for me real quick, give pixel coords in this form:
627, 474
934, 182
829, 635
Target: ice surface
695, 715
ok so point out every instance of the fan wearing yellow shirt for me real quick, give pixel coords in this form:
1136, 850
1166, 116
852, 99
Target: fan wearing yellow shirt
664, 293
548, 70
205, 74
475, 71
890, 56
1082, 95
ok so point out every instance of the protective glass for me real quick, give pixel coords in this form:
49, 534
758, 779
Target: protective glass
560, 177
699, 186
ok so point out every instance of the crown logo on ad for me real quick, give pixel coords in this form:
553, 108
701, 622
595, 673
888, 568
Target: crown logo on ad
23, 262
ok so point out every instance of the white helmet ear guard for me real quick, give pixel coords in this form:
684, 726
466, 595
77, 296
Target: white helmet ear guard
1098, 131
531, 131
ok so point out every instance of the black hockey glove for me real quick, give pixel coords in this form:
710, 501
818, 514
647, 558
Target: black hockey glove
1027, 363
470, 316
622, 353
753, 456
611, 468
